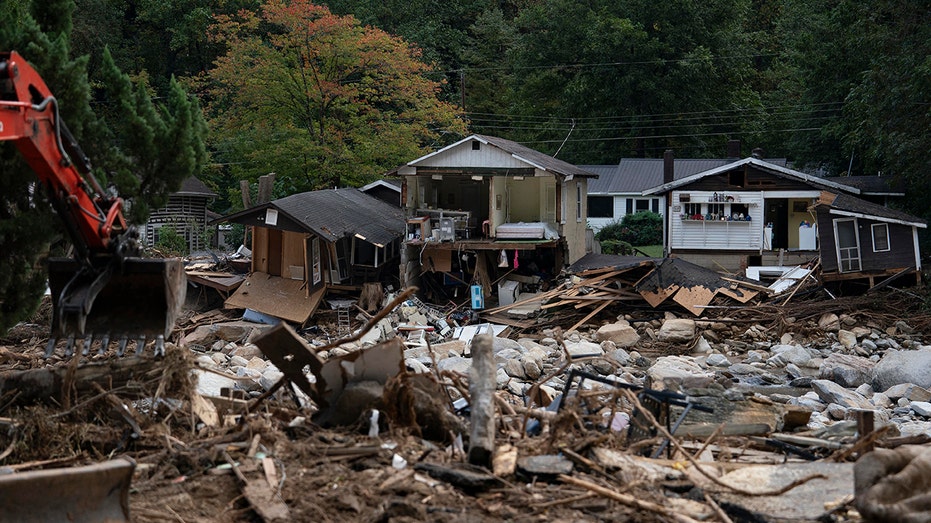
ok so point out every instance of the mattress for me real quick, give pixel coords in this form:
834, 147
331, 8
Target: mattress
526, 231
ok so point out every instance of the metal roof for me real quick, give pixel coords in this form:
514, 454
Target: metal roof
635, 175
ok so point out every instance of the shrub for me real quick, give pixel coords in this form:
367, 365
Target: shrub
641, 228
617, 247
170, 242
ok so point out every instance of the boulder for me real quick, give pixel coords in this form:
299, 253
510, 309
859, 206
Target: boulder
903, 366
847, 370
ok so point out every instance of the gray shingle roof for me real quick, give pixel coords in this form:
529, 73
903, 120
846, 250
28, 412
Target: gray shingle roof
336, 213
191, 186
870, 184
852, 204
547, 162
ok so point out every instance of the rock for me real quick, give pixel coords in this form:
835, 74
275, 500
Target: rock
247, 351
532, 369
831, 392
257, 364
785, 354
668, 371
415, 366
546, 466
677, 331
922, 408
583, 348
449, 348
209, 383
355, 399
270, 377
500, 344
702, 346
829, 322
622, 334
455, 364
846, 338
717, 360
909, 391
847, 370
238, 361
898, 366
621, 356
515, 368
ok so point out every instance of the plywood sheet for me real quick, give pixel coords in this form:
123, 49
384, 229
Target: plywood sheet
279, 297
694, 298
440, 261
740, 294
657, 296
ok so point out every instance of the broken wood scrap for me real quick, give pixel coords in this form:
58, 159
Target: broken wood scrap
482, 405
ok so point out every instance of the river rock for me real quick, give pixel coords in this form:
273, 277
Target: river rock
669, 371
903, 366
831, 392
621, 333
677, 330
847, 370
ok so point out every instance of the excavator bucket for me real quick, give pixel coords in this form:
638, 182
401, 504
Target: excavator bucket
94, 493
136, 300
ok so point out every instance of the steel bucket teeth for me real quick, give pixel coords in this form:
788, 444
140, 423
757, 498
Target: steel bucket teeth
85, 345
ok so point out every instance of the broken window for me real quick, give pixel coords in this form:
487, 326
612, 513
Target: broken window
848, 245
880, 237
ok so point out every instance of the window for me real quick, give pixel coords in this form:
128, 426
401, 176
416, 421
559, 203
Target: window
643, 205
601, 207
578, 202
692, 210
880, 237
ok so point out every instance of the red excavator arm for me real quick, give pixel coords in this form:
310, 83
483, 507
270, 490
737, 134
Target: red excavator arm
29, 118
91, 292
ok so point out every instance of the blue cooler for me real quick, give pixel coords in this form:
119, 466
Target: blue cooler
478, 297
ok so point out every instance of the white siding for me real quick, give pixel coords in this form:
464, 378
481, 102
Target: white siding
464, 156
716, 234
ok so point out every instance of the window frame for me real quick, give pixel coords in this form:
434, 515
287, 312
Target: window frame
873, 228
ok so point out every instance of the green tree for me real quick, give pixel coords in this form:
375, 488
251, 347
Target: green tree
148, 152
319, 99
630, 77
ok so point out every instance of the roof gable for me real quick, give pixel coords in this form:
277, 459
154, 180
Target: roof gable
847, 205
504, 154
757, 163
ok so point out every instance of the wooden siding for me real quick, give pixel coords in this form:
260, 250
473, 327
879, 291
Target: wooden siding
753, 180
716, 234
187, 215
901, 251
465, 156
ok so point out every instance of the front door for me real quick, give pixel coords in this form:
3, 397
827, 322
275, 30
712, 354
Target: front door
848, 245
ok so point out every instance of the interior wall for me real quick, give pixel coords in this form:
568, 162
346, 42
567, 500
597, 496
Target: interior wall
524, 199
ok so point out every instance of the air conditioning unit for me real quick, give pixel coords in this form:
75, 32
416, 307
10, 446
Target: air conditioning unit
447, 229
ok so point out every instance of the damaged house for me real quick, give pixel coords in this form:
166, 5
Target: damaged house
305, 243
752, 212
485, 206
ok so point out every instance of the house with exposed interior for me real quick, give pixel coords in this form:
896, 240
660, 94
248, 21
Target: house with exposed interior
754, 213
186, 213
485, 206
305, 243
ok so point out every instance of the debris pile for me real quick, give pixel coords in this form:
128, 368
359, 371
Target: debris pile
751, 412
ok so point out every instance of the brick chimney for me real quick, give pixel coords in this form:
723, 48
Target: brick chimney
669, 162
733, 149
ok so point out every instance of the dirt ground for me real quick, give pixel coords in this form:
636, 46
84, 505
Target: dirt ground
189, 472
